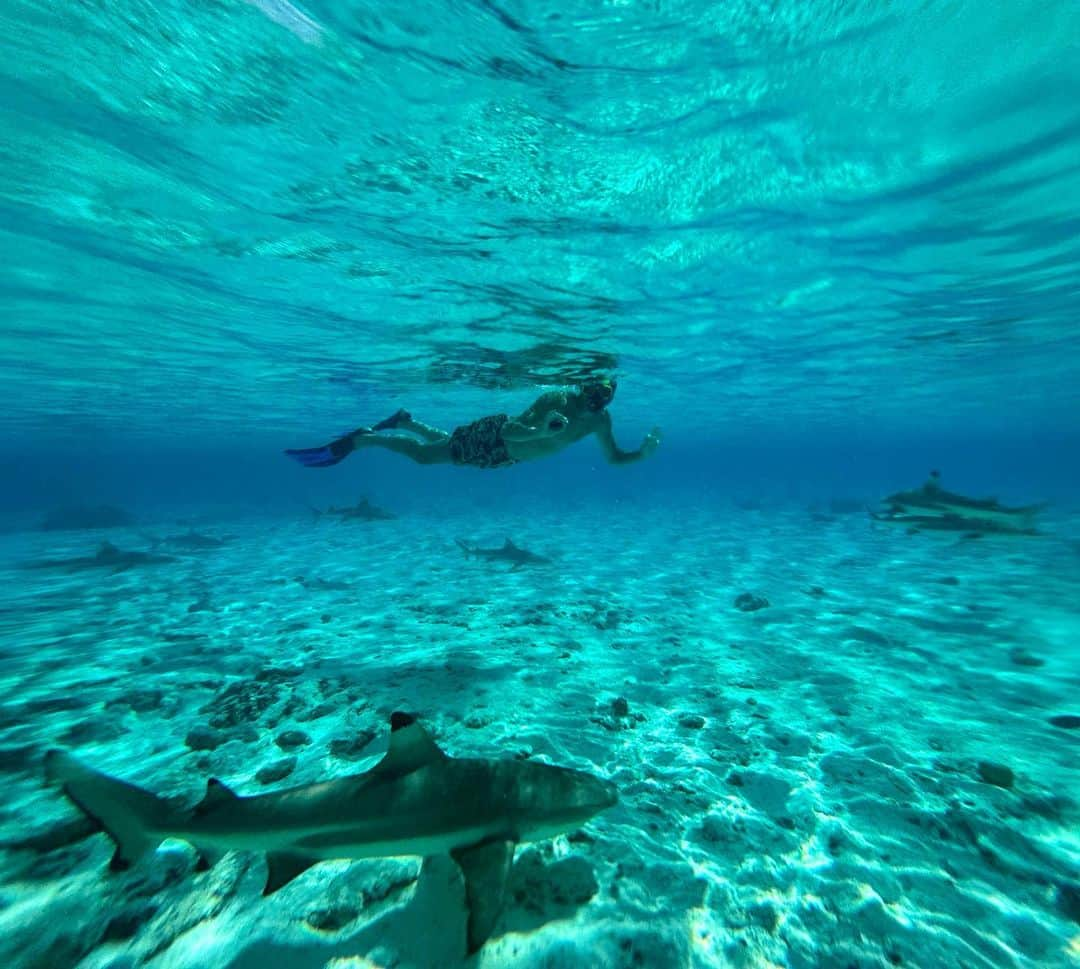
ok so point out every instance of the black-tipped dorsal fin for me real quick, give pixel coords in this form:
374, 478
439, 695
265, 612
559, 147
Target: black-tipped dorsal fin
216, 795
118, 861
282, 868
411, 746
208, 857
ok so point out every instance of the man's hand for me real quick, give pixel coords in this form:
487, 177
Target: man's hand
651, 442
554, 422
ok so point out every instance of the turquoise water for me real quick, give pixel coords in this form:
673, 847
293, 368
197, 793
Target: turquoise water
251, 212
824, 248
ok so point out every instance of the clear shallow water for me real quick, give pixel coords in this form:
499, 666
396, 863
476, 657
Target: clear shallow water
804, 785
244, 213
825, 248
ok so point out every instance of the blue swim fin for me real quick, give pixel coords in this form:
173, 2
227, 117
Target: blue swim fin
401, 416
324, 457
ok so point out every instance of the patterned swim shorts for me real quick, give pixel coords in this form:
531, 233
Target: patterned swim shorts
480, 443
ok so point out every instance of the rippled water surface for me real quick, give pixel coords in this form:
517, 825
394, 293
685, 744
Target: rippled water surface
217, 213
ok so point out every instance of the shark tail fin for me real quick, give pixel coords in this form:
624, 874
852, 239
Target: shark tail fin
128, 814
465, 547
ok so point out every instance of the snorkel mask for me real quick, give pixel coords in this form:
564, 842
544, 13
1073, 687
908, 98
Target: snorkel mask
598, 393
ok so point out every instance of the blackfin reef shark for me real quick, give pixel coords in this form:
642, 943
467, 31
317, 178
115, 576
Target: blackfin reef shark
108, 556
508, 552
416, 800
932, 508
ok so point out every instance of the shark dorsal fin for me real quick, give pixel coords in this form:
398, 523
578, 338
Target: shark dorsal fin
411, 746
216, 795
106, 550
282, 868
208, 857
508, 544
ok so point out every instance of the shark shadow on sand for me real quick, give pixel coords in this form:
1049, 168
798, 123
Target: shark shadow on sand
363, 511
415, 801
108, 556
509, 552
191, 541
932, 508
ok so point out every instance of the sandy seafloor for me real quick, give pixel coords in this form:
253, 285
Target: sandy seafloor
800, 786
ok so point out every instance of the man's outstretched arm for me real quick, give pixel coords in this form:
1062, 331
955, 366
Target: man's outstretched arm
615, 454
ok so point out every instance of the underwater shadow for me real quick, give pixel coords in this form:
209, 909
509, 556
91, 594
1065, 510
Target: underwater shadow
463, 670
426, 927
541, 891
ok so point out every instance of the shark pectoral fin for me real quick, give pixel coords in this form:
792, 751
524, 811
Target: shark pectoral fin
486, 867
411, 746
282, 868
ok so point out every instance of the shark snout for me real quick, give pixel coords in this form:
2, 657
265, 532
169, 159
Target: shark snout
560, 799
573, 799
598, 794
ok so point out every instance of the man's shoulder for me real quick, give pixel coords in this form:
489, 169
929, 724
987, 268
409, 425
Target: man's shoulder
552, 398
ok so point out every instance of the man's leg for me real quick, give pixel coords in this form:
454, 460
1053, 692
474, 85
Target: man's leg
433, 449
391, 423
422, 452
432, 435
403, 421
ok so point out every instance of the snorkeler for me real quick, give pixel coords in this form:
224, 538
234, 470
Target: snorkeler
555, 420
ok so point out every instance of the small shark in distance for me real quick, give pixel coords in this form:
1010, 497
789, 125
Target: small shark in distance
416, 801
517, 557
108, 556
320, 584
363, 510
932, 508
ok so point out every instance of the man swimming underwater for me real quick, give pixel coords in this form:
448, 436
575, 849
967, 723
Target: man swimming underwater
555, 420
